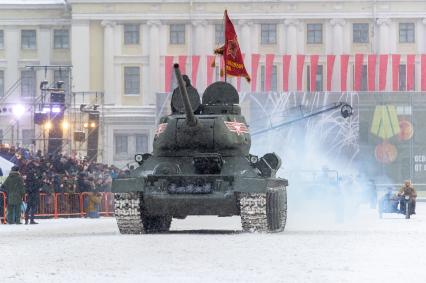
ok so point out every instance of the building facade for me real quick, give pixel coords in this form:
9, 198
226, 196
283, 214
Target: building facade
124, 49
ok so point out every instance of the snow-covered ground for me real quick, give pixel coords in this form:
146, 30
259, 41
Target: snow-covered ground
211, 249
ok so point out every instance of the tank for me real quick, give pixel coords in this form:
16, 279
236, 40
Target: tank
201, 165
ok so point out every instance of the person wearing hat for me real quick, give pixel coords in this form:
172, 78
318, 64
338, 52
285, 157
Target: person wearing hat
15, 191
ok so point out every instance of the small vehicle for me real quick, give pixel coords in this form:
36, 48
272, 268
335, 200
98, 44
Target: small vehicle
389, 204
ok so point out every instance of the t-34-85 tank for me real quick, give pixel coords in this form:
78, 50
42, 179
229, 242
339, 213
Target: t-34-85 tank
201, 165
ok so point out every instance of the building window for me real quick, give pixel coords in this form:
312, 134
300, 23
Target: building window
402, 77
274, 78
319, 79
360, 33
27, 137
1, 83
28, 39
364, 81
61, 39
314, 33
219, 32
64, 76
406, 32
268, 33
121, 144
1, 39
177, 34
131, 80
28, 83
141, 143
131, 34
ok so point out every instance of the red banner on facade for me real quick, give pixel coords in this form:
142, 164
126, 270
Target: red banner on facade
269, 61
210, 60
299, 71
359, 58
168, 63
182, 64
254, 65
194, 72
423, 72
286, 71
371, 72
313, 74
411, 58
396, 59
383, 67
344, 60
330, 65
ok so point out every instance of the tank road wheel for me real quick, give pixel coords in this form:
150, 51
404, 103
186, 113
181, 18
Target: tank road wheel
128, 213
264, 212
156, 224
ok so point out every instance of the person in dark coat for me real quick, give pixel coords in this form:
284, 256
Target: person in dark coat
15, 191
34, 184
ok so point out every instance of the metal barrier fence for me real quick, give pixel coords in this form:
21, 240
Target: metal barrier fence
63, 205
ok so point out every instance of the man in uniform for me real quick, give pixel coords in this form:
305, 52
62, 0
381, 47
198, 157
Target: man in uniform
408, 190
15, 191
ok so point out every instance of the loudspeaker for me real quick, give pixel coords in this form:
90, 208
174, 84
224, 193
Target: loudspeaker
79, 136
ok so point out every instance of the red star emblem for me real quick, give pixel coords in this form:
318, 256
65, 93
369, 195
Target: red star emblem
232, 48
237, 127
161, 128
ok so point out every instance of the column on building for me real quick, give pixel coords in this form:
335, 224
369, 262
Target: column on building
292, 49
200, 49
154, 59
337, 49
245, 45
384, 47
80, 55
109, 79
421, 49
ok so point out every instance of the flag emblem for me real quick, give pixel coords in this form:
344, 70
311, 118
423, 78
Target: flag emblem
237, 127
161, 128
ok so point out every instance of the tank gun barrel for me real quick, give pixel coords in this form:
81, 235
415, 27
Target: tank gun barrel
191, 120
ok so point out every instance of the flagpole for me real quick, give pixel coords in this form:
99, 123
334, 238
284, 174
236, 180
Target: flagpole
224, 36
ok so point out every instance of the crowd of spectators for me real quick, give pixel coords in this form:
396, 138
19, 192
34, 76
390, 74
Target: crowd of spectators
61, 173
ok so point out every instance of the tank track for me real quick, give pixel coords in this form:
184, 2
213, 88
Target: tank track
264, 212
127, 211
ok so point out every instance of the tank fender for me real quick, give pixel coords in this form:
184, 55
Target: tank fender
126, 185
257, 185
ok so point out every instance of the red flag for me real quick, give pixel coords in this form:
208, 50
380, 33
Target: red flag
254, 64
182, 63
423, 72
234, 64
371, 72
268, 71
195, 62
286, 70
344, 59
313, 74
330, 64
396, 58
411, 58
359, 58
383, 66
210, 61
168, 62
299, 70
